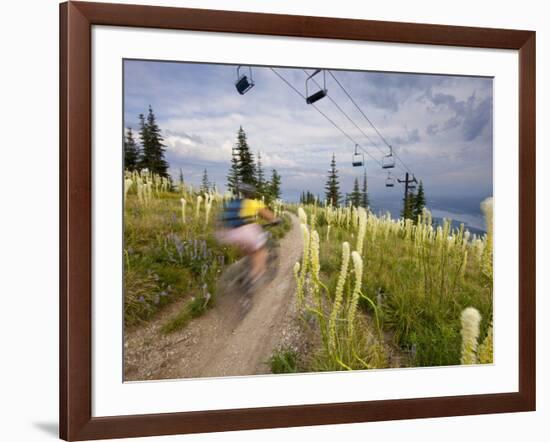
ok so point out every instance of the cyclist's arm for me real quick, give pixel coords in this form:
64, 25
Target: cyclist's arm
267, 214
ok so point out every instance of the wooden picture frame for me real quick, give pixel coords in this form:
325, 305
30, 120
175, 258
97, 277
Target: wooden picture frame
76, 21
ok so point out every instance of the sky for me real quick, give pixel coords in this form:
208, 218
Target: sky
440, 126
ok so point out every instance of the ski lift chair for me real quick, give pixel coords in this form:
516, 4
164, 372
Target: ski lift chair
388, 162
358, 159
244, 83
390, 182
321, 93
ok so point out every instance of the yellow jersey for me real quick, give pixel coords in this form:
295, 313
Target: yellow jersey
250, 208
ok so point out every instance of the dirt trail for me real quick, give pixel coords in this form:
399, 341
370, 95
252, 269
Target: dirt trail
225, 341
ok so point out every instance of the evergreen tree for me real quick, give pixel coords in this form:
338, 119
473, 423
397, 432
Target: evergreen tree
153, 149
247, 167
346, 199
355, 196
332, 187
419, 202
205, 184
307, 198
160, 166
144, 141
260, 177
233, 175
131, 151
274, 186
364, 192
181, 180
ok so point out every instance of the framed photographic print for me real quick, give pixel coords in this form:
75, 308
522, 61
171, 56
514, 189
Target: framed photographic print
272, 220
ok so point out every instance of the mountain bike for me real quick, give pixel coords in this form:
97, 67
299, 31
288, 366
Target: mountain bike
237, 280
243, 280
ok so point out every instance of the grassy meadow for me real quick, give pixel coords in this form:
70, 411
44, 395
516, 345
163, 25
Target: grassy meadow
368, 283
366, 286
170, 249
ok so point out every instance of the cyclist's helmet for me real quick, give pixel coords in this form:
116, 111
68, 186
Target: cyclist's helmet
248, 190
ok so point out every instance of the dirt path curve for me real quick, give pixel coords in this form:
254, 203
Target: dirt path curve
225, 341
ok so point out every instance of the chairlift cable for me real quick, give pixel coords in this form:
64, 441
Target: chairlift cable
354, 123
367, 118
348, 117
327, 117
369, 121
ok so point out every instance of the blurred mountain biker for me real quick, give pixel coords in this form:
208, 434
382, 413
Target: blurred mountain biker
242, 230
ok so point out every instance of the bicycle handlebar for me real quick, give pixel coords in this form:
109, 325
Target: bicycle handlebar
272, 223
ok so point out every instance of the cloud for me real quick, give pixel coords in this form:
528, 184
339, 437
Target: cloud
432, 129
440, 126
477, 118
411, 137
471, 116
388, 91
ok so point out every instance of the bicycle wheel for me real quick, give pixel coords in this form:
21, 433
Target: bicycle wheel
272, 260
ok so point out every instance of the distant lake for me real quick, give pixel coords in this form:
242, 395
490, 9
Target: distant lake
459, 209
474, 222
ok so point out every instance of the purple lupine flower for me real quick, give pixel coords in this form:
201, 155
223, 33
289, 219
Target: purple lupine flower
179, 247
184, 248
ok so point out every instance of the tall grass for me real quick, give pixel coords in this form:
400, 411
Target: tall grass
170, 249
411, 280
474, 352
348, 341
